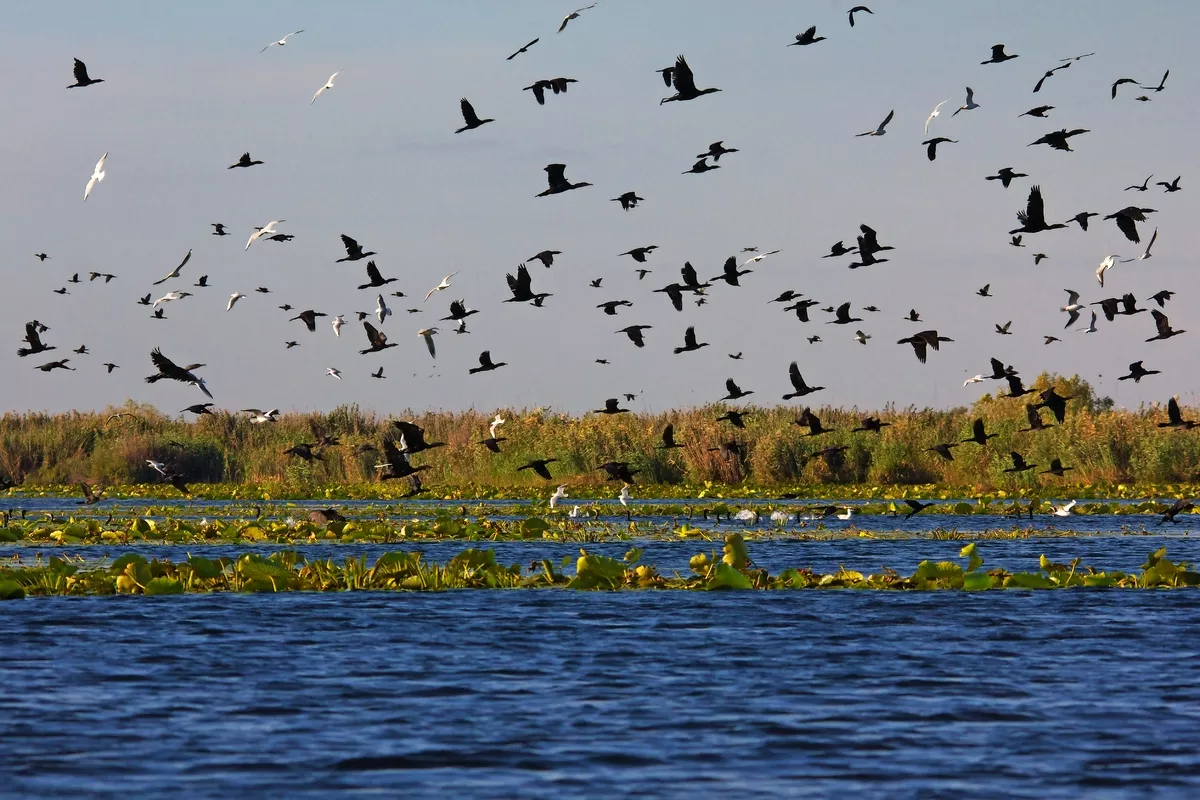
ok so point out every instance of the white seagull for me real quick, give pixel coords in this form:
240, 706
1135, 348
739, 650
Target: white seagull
337, 323
233, 298
494, 424
1073, 307
428, 333
880, 130
849, 513
1062, 511
382, 312
170, 296
1104, 267
445, 284
559, 494
328, 85
258, 417
1091, 328
861, 337
758, 257
282, 41
976, 379
573, 15
334, 372
265, 230
1146, 254
97, 176
624, 496
936, 110
157, 466
175, 272
971, 104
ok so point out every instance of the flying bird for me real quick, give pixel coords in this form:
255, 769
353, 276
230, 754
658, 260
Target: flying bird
282, 42
999, 56
337, 323
1046, 76
970, 105
1039, 112
855, 10
472, 119
377, 339
628, 200
807, 37
1005, 176
523, 49
244, 161
684, 82
486, 364
328, 85
556, 85
1118, 83
374, 278
634, 332
171, 371
639, 254
1171, 186
1146, 254
97, 176
1104, 267
233, 298
445, 284
880, 130
573, 15
800, 388
1165, 331
1161, 84
689, 342
1058, 139
1137, 372
427, 334
265, 230
936, 110
931, 151
175, 272
83, 79
558, 183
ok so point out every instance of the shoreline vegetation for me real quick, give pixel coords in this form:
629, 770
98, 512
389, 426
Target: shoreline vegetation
1109, 452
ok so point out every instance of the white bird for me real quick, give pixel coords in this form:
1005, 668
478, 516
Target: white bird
496, 423
1091, 328
265, 230
861, 337
233, 298
157, 466
445, 284
573, 513
171, 296
97, 176
428, 334
758, 257
1062, 511
573, 15
282, 41
971, 104
880, 130
624, 496
747, 515
258, 417
936, 110
559, 494
337, 323
1104, 267
976, 379
382, 312
1146, 254
781, 517
175, 272
1073, 307
849, 513
328, 85
336, 373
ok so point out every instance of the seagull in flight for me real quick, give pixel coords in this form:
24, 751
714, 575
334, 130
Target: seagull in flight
328, 85
175, 272
336, 373
573, 15
337, 323
233, 298
282, 41
934, 113
880, 130
1105, 266
523, 49
971, 104
445, 284
1144, 255
171, 296
757, 257
265, 230
427, 334
97, 176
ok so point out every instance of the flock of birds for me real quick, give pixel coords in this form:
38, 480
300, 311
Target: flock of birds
407, 439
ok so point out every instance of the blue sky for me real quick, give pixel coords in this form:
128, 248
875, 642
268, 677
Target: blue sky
187, 91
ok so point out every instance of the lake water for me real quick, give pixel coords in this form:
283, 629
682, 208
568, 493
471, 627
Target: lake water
635, 694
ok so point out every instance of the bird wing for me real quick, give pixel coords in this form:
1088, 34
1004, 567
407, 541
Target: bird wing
81, 73
1160, 321
373, 273
377, 338
468, 112
689, 337
349, 244
556, 175
685, 81
1035, 208
886, 120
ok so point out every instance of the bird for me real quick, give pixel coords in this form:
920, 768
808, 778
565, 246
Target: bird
97, 176
309, 318
978, 434
427, 334
689, 342
701, 166
1033, 218
807, 37
1055, 402
304, 451
34, 340
171, 296
1035, 420
943, 450
931, 151
932, 114
244, 161
1175, 417
1058, 139
1082, 218
260, 417
1038, 258
559, 494
922, 341
855, 10
595, 284
1170, 186
999, 56
685, 83
970, 105
354, 251
639, 254
523, 49
109, 366
337, 323
233, 298
734, 392
556, 178
611, 406
975, 379
1005, 176
1161, 297
757, 257
1072, 307
469, 116
521, 287
175, 272
94, 275
546, 257
374, 278
1063, 510
265, 230
1118, 83
1056, 468
1165, 331
734, 418
171, 371
486, 364
627, 200
811, 421
382, 312
282, 42
1040, 111
573, 15
1145, 254
1105, 266
378, 374
50, 366
1091, 327
539, 466
40, 256
800, 388
879, 131
397, 464
199, 408
916, 507
843, 316
445, 284
1161, 84
1018, 463
610, 307
495, 424
1003, 330
89, 497
1127, 219
1181, 505
1037, 87
377, 339
219, 229
861, 337
731, 273
556, 85
83, 79
668, 438
1141, 187
634, 332
412, 438
328, 85
838, 250
871, 425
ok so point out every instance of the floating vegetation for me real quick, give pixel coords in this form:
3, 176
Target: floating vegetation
731, 568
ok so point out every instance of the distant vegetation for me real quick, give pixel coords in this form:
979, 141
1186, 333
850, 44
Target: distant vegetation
1103, 445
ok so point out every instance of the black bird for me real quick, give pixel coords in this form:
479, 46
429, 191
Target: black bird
923, 340
1049, 73
397, 464
199, 408
734, 391
493, 443
1141, 187
202, 283
523, 49
812, 422
1018, 463
1165, 331
309, 318
1055, 402
668, 438
219, 229
1172, 186
89, 497
685, 83
999, 57
34, 339
486, 364
868, 241
1179, 507
838, 249
689, 342
916, 506
74, 278
1003, 330
827, 453
556, 177
374, 278
808, 37
718, 149
871, 425
667, 74
855, 10
1161, 84
801, 388
1038, 258
931, 150
1058, 139
618, 471
736, 356
171, 371
376, 338
642, 273
675, 292
556, 85
639, 254
1127, 219
999, 371
304, 451
459, 311
1006, 176
1035, 420
978, 435
1056, 468
378, 374
1082, 218
82, 79
1040, 111
801, 308
53, 365
1175, 417
690, 280
1033, 218
843, 316
244, 161
628, 200
867, 256
521, 287
354, 251
1118, 82
786, 297
546, 257
943, 450
40, 256
539, 466
634, 332
611, 406
107, 276
412, 437
595, 284
469, 116
81, 351
701, 166
1015, 386
731, 272
1161, 297
63, 290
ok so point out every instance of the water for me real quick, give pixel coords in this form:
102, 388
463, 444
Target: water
554, 693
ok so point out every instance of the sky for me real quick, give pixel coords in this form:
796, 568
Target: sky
186, 91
